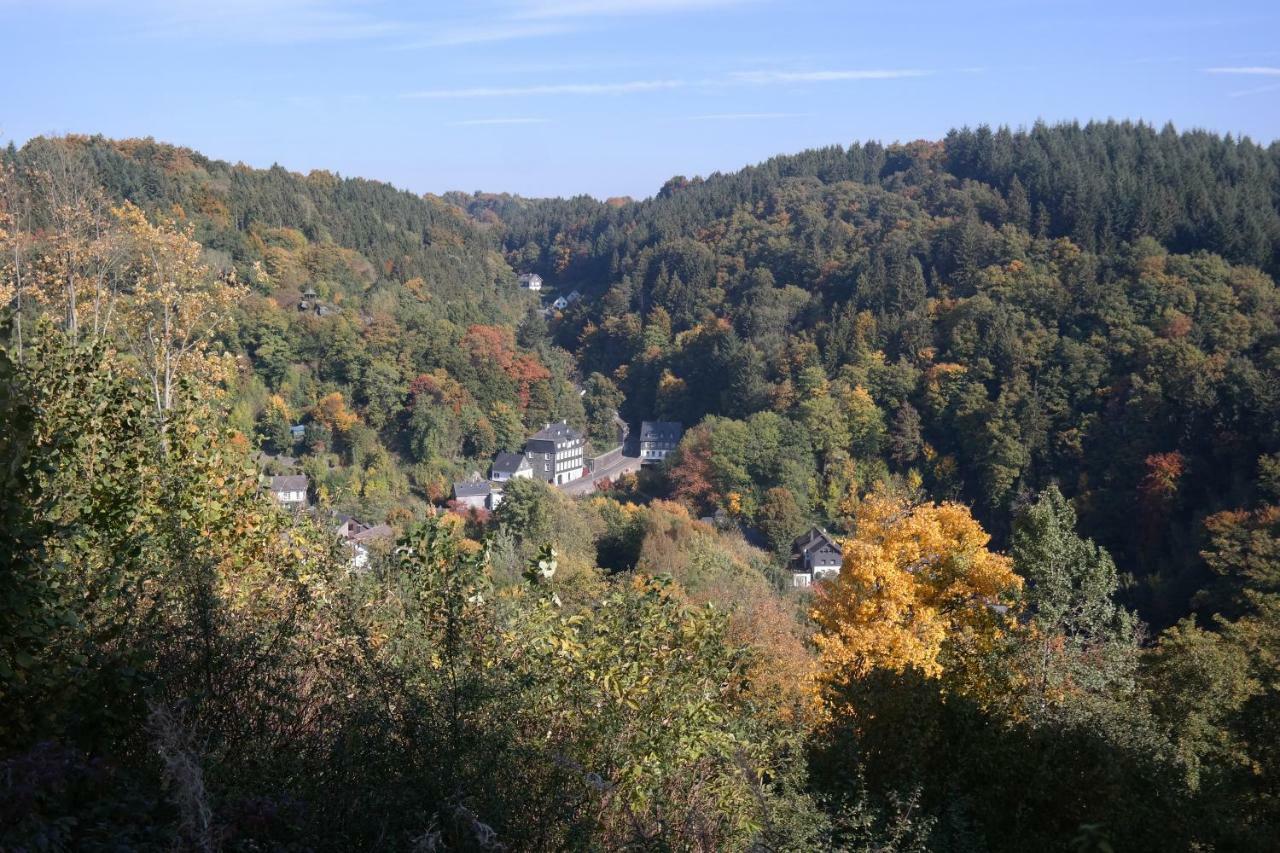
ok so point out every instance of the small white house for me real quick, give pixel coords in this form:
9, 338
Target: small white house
531, 281
814, 556
510, 466
290, 490
560, 304
473, 493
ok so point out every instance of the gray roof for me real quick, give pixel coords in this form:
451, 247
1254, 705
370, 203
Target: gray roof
660, 430
368, 534
471, 488
509, 463
289, 483
815, 538
557, 432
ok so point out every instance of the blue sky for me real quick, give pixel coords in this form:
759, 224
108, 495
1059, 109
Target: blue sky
612, 97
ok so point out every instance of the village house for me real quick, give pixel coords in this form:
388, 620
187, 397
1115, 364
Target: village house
556, 453
573, 296
509, 466
560, 304
658, 439
356, 536
290, 490
531, 281
814, 556
477, 494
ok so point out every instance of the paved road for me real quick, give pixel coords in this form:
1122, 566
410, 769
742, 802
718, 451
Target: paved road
587, 485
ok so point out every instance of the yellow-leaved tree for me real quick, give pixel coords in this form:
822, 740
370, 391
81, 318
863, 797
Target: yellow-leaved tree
171, 303
919, 589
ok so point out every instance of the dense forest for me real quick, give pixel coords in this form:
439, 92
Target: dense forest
1029, 379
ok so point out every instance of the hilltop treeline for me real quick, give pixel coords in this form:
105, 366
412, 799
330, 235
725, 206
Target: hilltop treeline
1090, 306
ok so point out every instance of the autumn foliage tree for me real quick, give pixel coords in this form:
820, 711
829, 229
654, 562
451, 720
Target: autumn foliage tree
919, 590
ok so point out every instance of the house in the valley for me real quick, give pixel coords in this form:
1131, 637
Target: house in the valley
356, 536
814, 556
297, 432
556, 453
574, 296
531, 281
290, 490
509, 466
658, 439
477, 494
560, 304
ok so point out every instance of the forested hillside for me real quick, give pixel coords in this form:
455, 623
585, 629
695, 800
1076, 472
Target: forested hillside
1030, 382
1090, 306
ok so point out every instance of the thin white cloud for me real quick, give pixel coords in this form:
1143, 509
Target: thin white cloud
766, 77
1250, 70
1259, 90
625, 88
474, 122
491, 32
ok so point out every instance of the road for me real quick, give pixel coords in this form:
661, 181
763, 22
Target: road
587, 485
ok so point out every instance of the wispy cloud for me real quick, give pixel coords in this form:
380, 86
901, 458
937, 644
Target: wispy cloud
1249, 70
625, 88
765, 77
1258, 90
474, 122
491, 32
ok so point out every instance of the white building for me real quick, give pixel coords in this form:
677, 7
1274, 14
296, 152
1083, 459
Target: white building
658, 439
290, 490
556, 453
531, 281
814, 556
509, 466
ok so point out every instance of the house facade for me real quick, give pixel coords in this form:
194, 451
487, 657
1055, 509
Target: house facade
814, 556
556, 453
531, 281
510, 466
290, 490
476, 494
658, 439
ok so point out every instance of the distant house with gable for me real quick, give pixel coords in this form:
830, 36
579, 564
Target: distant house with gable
574, 296
510, 466
477, 494
658, 439
814, 556
556, 453
560, 304
357, 536
290, 490
531, 281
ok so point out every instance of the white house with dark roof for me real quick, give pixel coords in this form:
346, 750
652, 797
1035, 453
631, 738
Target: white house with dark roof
509, 466
556, 453
814, 556
477, 494
290, 490
531, 281
560, 304
658, 439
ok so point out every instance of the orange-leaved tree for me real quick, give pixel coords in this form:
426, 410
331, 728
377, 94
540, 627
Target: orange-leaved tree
919, 590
